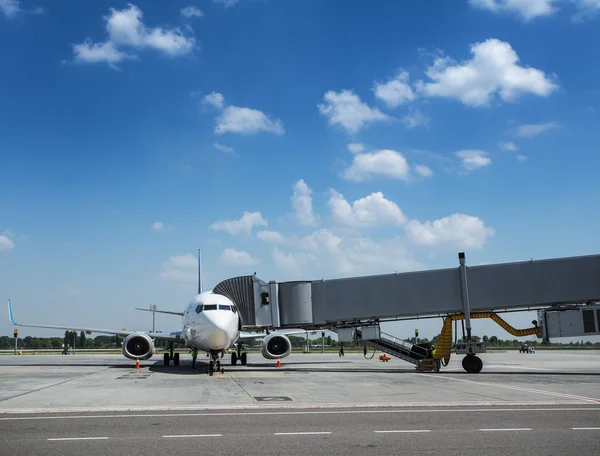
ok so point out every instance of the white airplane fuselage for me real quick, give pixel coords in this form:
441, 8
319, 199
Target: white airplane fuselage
211, 322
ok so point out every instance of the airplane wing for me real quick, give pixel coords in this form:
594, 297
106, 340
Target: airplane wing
171, 337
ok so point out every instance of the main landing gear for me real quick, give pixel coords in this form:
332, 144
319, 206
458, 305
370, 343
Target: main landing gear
472, 364
171, 356
215, 364
243, 357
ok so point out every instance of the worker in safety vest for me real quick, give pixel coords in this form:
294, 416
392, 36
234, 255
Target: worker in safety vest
194, 356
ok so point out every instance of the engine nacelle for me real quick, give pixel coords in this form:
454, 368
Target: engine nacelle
275, 346
138, 346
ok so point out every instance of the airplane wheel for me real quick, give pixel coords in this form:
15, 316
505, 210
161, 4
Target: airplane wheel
166, 359
222, 370
244, 358
472, 364
233, 358
176, 359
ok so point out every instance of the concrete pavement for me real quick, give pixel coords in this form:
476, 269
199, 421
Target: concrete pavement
459, 431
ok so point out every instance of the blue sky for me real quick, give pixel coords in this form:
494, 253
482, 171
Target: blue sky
297, 139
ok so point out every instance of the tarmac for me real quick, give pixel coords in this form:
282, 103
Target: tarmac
110, 383
519, 404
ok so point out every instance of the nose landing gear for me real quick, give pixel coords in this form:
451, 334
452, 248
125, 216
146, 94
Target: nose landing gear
215, 364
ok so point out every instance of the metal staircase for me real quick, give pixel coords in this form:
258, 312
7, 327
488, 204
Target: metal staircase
393, 346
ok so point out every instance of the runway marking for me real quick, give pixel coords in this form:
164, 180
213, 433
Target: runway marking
518, 388
192, 435
312, 412
302, 433
404, 430
79, 438
587, 429
507, 429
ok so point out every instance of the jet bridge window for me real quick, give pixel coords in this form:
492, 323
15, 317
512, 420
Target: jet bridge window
199, 308
210, 307
224, 307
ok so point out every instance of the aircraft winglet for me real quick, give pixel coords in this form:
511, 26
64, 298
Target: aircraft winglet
10, 314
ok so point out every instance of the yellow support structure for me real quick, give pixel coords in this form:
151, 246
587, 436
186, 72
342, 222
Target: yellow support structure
444, 346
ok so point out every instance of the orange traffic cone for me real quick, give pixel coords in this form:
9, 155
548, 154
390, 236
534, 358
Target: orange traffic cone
278, 363
137, 363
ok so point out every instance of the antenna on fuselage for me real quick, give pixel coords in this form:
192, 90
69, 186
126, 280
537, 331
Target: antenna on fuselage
199, 271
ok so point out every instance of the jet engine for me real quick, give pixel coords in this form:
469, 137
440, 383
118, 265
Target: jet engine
138, 346
275, 346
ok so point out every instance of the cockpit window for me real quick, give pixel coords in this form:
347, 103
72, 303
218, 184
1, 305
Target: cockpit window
234, 308
210, 307
199, 308
224, 307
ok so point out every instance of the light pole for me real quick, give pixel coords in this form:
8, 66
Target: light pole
153, 308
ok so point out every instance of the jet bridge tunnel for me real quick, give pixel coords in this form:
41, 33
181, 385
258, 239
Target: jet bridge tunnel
563, 290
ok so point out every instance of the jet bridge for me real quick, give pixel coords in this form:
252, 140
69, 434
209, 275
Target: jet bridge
552, 286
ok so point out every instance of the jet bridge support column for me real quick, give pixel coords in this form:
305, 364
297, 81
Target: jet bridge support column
465, 293
471, 363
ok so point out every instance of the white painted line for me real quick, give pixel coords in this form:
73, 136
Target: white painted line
288, 405
517, 388
405, 430
192, 435
301, 433
587, 429
507, 429
341, 411
80, 438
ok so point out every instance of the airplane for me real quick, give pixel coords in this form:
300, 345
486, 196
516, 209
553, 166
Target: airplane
211, 323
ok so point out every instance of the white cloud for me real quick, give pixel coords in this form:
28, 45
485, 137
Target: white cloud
586, 8
423, 170
245, 121
415, 118
88, 52
347, 110
493, 69
126, 28
11, 8
243, 225
215, 99
324, 253
224, 149
191, 11
235, 119
180, 268
371, 211
395, 92
531, 130
527, 9
233, 257
6, 243
226, 3
474, 159
292, 263
158, 226
386, 163
458, 230
302, 203
509, 146
356, 148
521, 158
274, 237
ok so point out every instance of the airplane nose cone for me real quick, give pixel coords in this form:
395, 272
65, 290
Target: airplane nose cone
217, 339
